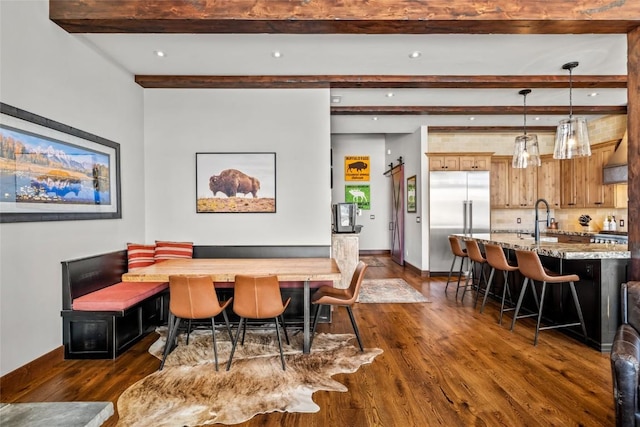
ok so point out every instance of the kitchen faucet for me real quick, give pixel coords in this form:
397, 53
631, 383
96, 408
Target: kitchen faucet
536, 233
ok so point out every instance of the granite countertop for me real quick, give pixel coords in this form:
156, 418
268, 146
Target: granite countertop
563, 232
524, 241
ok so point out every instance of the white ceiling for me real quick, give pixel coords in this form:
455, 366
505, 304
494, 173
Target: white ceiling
332, 54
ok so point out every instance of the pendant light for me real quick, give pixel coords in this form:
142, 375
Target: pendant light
572, 136
526, 153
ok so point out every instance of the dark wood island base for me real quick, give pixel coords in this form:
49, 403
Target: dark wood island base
602, 269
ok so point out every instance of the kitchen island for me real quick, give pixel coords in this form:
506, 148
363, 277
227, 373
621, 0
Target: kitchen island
601, 267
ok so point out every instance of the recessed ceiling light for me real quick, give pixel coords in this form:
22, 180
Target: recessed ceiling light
415, 54
472, 118
374, 118
335, 99
593, 94
537, 118
390, 94
159, 53
276, 54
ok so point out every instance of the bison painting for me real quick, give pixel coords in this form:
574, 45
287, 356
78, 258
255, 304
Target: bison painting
232, 181
359, 166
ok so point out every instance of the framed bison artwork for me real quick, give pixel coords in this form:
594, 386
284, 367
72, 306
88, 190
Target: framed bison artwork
236, 182
50, 171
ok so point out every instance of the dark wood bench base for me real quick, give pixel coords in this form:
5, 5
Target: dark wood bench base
104, 334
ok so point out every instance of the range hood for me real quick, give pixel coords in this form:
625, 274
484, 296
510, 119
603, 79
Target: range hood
616, 170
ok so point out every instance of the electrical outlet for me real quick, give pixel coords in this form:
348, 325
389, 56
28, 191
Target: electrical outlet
519, 220
622, 223
418, 219
372, 217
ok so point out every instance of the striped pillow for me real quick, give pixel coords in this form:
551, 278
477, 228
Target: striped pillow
140, 255
170, 250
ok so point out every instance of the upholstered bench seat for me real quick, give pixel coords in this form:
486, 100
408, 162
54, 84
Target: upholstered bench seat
119, 296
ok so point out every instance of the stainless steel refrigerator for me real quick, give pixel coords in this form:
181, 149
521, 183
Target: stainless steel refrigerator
458, 204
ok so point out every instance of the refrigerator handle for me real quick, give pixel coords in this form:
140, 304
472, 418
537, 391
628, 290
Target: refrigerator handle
464, 216
470, 216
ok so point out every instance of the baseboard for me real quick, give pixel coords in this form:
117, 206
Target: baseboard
15, 380
366, 252
416, 270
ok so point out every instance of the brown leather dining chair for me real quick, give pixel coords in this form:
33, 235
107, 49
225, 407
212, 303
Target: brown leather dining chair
258, 297
532, 270
328, 295
191, 298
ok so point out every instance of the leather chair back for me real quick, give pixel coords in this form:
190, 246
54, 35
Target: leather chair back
456, 248
496, 258
473, 250
257, 297
356, 283
193, 297
531, 267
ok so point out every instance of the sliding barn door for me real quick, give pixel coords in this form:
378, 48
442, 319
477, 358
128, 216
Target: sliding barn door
397, 214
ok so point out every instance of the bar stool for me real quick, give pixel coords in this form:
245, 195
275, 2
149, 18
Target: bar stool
476, 257
497, 261
458, 252
531, 268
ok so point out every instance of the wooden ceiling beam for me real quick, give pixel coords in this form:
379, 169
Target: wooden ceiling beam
346, 16
491, 129
477, 110
380, 82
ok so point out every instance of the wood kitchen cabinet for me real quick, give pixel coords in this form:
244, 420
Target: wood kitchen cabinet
475, 163
581, 180
459, 161
549, 180
599, 195
499, 188
510, 187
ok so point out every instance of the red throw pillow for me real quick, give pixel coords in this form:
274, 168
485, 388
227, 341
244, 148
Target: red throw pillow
170, 250
140, 255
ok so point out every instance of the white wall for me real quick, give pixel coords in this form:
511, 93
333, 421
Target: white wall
375, 234
410, 148
46, 71
292, 123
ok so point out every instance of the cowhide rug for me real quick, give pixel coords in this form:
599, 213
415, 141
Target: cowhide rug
189, 391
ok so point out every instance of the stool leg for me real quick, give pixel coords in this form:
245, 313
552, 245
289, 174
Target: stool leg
487, 289
486, 285
544, 286
504, 292
520, 298
578, 309
450, 272
466, 283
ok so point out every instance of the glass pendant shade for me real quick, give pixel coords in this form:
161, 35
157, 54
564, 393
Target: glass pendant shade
572, 139
526, 152
572, 135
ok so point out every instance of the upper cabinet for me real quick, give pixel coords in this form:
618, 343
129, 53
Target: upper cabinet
459, 161
581, 180
549, 180
511, 187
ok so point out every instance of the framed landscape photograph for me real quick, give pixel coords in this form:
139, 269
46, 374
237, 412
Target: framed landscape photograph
412, 195
235, 182
53, 172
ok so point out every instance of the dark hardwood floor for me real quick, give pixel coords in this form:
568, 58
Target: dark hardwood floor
443, 364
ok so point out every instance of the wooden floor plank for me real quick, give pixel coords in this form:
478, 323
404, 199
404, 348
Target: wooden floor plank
444, 364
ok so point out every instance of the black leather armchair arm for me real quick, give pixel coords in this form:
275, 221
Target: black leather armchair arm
625, 358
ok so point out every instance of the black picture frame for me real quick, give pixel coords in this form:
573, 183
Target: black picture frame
75, 177
243, 182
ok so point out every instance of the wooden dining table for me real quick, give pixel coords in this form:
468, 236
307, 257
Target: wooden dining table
304, 270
